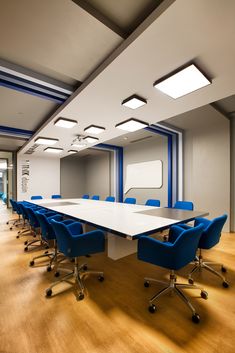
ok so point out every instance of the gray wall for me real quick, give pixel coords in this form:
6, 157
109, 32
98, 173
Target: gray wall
85, 175
148, 150
72, 177
232, 126
206, 160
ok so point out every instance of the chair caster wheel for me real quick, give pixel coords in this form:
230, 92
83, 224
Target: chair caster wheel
80, 296
146, 284
190, 281
85, 268
31, 263
223, 269
101, 278
152, 308
46, 247
196, 318
11, 228
56, 274
204, 294
19, 231
48, 268
88, 255
17, 237
26, 248
72, 260
34, 235
48, 293
225, 284
7, 222
45, 252
26, 242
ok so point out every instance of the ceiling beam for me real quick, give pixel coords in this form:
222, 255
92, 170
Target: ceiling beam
102, 18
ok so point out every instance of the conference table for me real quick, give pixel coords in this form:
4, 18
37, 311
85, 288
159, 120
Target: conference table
124, 223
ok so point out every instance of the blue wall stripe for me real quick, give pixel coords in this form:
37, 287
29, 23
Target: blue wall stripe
15, 131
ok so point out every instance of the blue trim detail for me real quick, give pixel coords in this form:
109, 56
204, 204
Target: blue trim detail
33, 92
169, 135
119, 151
15, 131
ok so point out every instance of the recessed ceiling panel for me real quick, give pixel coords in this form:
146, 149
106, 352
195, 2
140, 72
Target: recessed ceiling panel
9, 144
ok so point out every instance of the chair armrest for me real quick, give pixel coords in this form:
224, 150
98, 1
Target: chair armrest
89, 243
174, 233
75, 228
203, 221
68, 221
154, 251
56, 217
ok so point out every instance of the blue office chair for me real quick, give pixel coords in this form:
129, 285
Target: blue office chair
85, 196
15, 222
173, 255
152, 202
130, 200
110, 199
48, 235
36, 197
210, 237
95, 197
26, 227
184, 205
73, 243
56, 196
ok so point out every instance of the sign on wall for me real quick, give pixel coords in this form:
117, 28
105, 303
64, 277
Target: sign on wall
25, 174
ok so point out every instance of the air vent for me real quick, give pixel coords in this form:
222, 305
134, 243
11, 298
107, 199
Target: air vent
32, 149
141, 139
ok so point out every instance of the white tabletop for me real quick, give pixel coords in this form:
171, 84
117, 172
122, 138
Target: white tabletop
119, 218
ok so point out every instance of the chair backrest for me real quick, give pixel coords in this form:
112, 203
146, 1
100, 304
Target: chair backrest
36, 197
130, 200
85, 196
21, 207
47, 230
184, 205
56, 196
152, 202
33, 221
64, 238
185, 247
110, 199
95, 197
211, 234
13, 205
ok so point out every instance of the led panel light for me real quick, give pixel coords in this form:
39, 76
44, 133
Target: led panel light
72, 151
79, 144
45, 141
53, 150
131, 125
94, 129
187, 80
91, 139
134, 102
65, 123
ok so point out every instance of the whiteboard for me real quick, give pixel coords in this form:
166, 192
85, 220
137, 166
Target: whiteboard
143, 175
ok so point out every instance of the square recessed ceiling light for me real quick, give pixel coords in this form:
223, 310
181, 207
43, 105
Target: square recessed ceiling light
72, 151
90, 139
94, 129
182, 82
79, 144
45, 141
134, 102
53, 150
131, 125
66, 123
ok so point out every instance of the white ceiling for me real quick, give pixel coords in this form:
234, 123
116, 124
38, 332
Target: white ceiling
188, 30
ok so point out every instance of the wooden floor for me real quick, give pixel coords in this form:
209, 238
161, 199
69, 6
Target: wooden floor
113, 317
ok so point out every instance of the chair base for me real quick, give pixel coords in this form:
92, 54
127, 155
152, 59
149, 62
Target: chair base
199, 265
78, 273
173, 286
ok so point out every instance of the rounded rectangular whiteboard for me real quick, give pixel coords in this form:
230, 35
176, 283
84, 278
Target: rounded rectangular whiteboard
143, 175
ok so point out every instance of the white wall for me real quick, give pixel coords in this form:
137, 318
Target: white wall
206, 160
44, 177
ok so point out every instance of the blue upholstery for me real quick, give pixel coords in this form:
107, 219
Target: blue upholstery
14, 205
56, 196
73, 243
152, 202
130, 200
4, 197
85, 196
110, 199
211, 231
36, 197
171, 255
95, 197
184, 205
